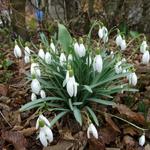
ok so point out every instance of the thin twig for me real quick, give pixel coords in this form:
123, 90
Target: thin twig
5, 119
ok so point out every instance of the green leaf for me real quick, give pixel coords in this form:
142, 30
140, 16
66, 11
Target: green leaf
77, 115
134, 34
92, 115
64, 37
57, 117
103, 102
88, 88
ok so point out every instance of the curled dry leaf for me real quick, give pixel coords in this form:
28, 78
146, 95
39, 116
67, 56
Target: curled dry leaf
28, 131
17, 139
124, 110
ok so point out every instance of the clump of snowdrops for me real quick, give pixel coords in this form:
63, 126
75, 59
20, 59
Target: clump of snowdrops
68, 75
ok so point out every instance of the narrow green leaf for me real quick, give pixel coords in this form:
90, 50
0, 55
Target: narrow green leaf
70, 104
88, 88
92, 115
77, 115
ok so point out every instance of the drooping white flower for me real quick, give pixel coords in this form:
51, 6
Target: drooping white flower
62, 59
143, 47
41, 53
42, 94
17, 51
44, 119
146, 57
35, 86
123, 45
26, 59
45, 135
103, 34
35, 69
118, 40
27, 51
98, 63
71, 84
70, 58
92, 131
33, 96
79, 49
52, 46
132, 79
118, 67
142, 140
48, 58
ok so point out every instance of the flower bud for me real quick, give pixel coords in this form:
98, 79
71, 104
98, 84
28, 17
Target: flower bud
42, 94
92, 131
41, 54
143, 47
35, 86
145, 57
48, 58
17, 51
33, 96
142, 140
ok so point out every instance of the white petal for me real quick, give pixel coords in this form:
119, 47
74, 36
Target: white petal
66, 79
118, 40
123, 45
43, 138
92, 130
48, 133
41, 54
76, 48
41, 117
35, 69
70, 88
53, 47
35, 86
81, 50
42, 94
37, 123
27, 51
142, 140
70, 57
143, 47
62, 58
100, 33
26, 59
48, 58
17, 51
33, 96
133, 79
98, 63
145, 57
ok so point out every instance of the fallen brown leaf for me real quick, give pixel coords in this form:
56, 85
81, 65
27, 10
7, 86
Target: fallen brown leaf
124, 110
130, 131
3, 90
128, 141
95, 144
28, 131
17, 139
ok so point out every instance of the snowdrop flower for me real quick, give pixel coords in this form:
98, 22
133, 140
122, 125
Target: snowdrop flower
17, 51
52, 46
62, 59
70, 57
103, 34
42, 94
42, 118
45, 133
79, 49
143, 47
35, 69
35, 86
33, 96
27, 51
146, 57
92, 131
41, 53
26, 59
123, 45
98, 63
48, 58
142, 140
118, 40
71, 84
132, 79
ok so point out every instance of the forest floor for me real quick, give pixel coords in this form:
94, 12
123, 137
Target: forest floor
17, 130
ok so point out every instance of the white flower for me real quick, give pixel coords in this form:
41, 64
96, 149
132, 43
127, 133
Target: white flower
79, 49
143, 47
132, 79
72, 86
92, 131
48, 58
62, 59
98, 63
103, 34
123, 45
70, 57
27, 51
146, 57
35, 69
142, 140
35, 86
66, 79
26, 59
33, 96
42, 94
118, 40
52, 46
45, 135
17, 51
118, 68
41, 53
44, 119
